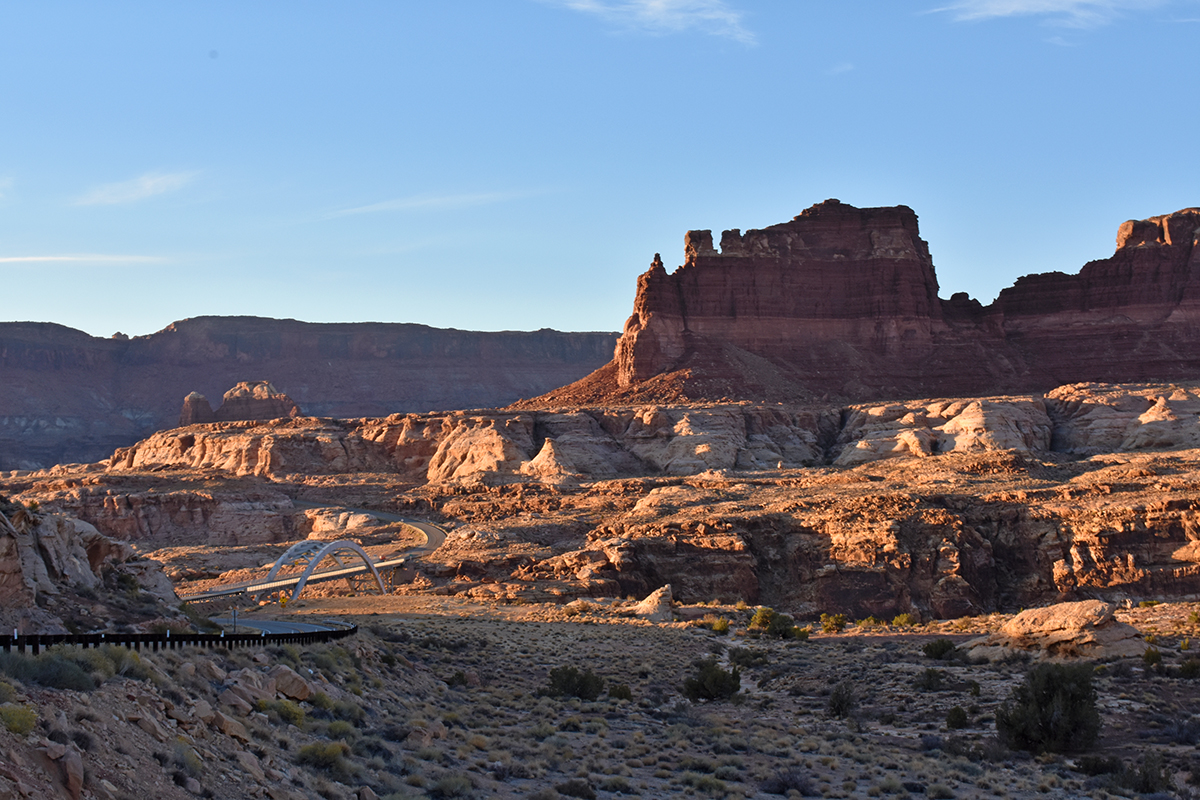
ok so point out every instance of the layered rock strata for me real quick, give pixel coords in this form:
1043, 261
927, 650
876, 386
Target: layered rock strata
70, 397
842, 301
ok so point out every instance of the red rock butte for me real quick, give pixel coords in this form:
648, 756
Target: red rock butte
843, 302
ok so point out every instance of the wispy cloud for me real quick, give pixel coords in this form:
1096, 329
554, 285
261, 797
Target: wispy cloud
5, 185
840, 68
148, 185
1073, 13
433, 202
714, 17
82, 258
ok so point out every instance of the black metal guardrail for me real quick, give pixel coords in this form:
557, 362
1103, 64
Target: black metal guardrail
168, 641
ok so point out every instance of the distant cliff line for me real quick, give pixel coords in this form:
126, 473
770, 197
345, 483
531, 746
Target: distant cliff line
66, 396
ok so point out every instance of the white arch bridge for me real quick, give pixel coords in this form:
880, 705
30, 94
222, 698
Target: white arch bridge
364, 575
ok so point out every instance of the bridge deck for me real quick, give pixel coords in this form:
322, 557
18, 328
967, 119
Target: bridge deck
258, 587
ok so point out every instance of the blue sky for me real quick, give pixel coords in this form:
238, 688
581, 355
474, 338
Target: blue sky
515, 164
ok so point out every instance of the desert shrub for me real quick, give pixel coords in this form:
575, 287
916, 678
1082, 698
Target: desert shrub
620, 691
1190, 669
941, 649
577, 787
939, 791
930, 680
788, 779
842, 701
762, 618
320, 701
1152, 658
452, 786
340, 729
905, 620
50, 669
18, 719
1152, 775
570, 682
833, 623
347, 711
328, 756
1098, 765
747, 657
711, 682
801, 634
1149, 603
956, 718
720, 625
7, 692
459, 678
1053, 709
282, 710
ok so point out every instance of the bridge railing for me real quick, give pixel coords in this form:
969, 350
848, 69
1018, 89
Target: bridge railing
34, 642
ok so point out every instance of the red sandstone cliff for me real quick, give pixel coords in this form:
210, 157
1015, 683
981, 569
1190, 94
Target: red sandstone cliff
843, 302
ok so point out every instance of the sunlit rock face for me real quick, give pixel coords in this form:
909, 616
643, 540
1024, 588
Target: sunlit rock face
843, 302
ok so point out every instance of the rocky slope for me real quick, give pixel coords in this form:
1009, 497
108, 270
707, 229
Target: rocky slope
70, 397
842, 301
59, 573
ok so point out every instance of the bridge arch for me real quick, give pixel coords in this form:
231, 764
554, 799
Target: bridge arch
311, 552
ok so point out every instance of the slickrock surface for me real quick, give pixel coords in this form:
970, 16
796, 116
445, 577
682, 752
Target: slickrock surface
941, 508
70, 397
842, 302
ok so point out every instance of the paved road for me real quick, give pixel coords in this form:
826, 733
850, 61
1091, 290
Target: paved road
273, 625
434, 536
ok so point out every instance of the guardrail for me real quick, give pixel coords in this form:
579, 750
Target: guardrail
168, 641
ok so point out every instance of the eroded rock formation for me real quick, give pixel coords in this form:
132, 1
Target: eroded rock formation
47, 560
842, 301
248, 401
70, 397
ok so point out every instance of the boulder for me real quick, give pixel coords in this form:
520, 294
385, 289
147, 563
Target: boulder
289, 683
657, 605
1083, 629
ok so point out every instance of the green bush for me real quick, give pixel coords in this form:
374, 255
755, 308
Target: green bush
7, 692
1149, 603
930, 680
18, 719
1190, 669
620, 691
956, 718
720, 626
833, 623
748, 657
50, 669
711, 682
329, 756
452, 786
1151, 776
941, 649
842, 700
1152, 658
905, 620
1053, 709
577, 787
570, 682
285, 710
771, 623
340, 729
801, 634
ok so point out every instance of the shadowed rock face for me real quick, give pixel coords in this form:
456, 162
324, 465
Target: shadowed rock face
842, 301
67, 396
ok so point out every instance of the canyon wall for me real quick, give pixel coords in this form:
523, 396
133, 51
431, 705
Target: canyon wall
69, 397
843, 302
